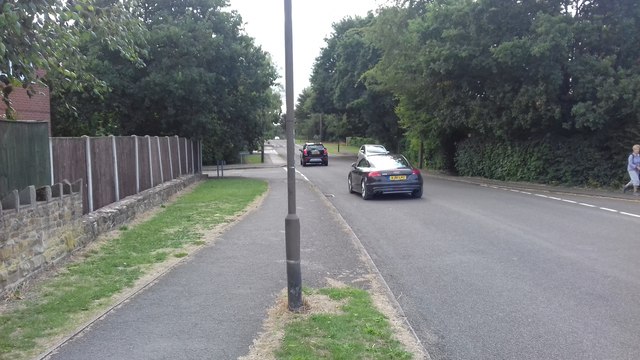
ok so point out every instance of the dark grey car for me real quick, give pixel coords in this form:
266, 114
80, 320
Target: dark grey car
384, 174
314, 153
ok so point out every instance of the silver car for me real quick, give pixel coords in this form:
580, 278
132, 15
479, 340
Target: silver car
370, 149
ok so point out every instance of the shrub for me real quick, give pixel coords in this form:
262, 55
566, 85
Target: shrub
568, 161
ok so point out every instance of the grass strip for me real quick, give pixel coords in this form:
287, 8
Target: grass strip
359, 331
56, 305
332, 147
252, 159
344, 149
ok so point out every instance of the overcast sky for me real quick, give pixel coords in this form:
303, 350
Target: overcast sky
312, 23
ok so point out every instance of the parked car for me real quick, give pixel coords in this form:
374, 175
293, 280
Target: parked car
384, 174
370, 149
314, 153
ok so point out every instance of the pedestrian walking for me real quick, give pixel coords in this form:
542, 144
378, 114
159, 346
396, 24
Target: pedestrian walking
633, 167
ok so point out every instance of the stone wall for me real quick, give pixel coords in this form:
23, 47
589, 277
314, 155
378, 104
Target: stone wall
38, 228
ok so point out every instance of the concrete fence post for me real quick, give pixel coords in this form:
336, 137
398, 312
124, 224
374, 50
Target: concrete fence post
89, 172
150, 159
135, 141
115, 167
179, 157
170, 158
51, 159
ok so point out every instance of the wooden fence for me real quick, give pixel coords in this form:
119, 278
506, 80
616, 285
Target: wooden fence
115, 167
24, 155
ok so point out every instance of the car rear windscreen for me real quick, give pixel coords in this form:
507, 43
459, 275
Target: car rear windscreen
388, 162
377, 150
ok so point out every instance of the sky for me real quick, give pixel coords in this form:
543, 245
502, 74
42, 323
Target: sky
312, 23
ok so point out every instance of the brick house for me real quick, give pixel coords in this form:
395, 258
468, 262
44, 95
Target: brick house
34, 108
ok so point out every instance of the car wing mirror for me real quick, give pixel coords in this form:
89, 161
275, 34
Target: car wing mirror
353, 165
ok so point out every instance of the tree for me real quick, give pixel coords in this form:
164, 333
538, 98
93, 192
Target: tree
357, 107
44, 37
543, 75
203, 79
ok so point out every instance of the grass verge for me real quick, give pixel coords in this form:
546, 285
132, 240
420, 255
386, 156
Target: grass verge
332, 147
344, 149
252, 159
337, 323
358, 331
59, 304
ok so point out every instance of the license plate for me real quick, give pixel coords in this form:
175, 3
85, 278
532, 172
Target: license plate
398, 177
315, 152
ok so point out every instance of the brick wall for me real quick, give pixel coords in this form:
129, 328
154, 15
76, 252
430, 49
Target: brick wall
36, 107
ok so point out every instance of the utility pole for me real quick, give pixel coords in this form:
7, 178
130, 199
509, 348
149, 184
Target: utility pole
291, 222
263, 137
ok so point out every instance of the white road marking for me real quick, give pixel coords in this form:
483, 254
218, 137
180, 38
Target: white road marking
298, 172
564, 200
629, 214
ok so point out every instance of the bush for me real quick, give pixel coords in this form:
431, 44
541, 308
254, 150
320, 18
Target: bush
568, 161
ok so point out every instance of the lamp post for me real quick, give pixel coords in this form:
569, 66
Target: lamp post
291, 222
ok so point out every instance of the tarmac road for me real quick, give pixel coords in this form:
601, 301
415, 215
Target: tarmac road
492, 270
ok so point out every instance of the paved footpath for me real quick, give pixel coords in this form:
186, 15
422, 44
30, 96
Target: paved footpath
212, 305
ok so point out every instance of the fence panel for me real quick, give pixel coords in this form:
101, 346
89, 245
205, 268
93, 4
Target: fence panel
198, 156
24, 155
126, 146
189, 156
155, 160
143, 153
166, 165
102, 172
70, 163
184, 155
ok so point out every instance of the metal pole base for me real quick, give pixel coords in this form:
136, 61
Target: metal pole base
294, 275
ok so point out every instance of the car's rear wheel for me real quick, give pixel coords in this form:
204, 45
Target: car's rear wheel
350, 185
417, 193
366, 195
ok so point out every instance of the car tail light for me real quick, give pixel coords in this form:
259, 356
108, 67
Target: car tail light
304, 152
374, 174
326, 152
415, 171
